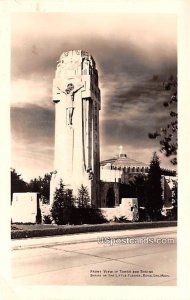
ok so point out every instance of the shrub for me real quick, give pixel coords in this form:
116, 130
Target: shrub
122, 219
144, 214
90, 215
65, 212
47, 219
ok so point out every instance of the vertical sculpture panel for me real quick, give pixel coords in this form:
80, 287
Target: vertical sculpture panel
77, 103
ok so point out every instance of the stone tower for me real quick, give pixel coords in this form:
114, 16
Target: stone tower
76, 95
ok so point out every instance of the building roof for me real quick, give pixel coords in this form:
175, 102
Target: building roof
123, 161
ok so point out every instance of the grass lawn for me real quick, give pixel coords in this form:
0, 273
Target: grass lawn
111, 224
39, 226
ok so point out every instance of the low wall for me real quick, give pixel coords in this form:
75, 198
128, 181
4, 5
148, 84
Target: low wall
128, 210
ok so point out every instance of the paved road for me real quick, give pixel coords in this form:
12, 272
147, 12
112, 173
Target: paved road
131, 260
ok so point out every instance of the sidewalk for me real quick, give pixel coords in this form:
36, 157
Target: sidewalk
85, 237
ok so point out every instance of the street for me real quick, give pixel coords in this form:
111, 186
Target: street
147, 259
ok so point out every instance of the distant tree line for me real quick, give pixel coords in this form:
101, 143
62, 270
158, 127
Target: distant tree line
37, 185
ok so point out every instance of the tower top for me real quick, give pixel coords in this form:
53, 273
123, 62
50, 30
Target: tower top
75, 52
121, 154
76, 63
76, 55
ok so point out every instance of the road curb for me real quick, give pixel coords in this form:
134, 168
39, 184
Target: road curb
49, 241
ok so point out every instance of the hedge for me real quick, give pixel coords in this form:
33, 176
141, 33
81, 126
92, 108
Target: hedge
62, 230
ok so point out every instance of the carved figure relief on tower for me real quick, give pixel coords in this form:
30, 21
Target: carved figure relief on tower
77, 67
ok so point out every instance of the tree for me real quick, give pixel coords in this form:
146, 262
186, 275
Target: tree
175, 198
175, 192
34, 185
42, 186
154, 188
65, 212
85, 212
168, 134
45, 187
83, 198
63, 205
18, 185
141, 189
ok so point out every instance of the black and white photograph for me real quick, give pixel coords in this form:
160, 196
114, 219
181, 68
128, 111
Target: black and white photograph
93, 148
89, 94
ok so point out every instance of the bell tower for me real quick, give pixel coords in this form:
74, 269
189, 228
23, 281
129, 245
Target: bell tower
76, 95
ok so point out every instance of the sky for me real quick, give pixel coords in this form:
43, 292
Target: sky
134, 53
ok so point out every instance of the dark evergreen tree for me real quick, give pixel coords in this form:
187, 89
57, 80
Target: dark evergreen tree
140, 183
18, 185
85, 212
154, 188
175, 199
83, 198
63, 206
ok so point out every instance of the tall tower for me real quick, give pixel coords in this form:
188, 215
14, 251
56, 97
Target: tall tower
76, 95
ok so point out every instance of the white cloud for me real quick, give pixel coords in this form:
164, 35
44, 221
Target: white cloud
31, 91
